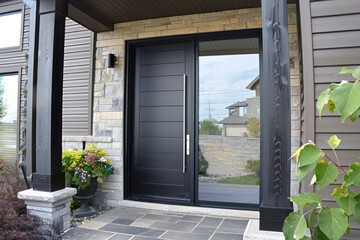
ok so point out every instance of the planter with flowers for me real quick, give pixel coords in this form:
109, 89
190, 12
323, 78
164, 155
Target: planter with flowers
84, 169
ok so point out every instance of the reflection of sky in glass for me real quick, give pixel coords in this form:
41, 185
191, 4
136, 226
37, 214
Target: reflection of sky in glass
223, 81
10, 86
10, 30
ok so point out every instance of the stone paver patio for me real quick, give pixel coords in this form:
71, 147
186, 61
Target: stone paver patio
125, 223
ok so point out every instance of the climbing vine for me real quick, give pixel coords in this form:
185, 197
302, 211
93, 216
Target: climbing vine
322, 221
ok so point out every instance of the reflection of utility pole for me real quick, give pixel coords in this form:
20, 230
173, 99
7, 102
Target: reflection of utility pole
209, 109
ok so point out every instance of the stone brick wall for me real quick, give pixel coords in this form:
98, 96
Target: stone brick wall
109, 85
228, 155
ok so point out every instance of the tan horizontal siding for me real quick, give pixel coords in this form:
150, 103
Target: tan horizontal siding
335, 8
335, 32
77, 80
336, 23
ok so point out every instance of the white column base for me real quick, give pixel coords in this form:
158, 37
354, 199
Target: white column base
52, 207
252, 232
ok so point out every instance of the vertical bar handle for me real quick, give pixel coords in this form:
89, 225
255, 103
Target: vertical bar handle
184, 125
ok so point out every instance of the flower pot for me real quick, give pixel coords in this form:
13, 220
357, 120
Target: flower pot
84, 196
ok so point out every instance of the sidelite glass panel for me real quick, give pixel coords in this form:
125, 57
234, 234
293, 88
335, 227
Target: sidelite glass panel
10, 29
8, 116
229, 121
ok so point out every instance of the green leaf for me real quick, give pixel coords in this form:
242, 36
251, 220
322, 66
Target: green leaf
356, 73
333, 86
330, 106
313, 180
319, 235
347, 203
357, 213
294, 225
333, 141
346, 98
322, 100
312, 219
353, 117
306, 199
302, 172
305, 238
325, 173
346, 71
308, 155
352, 177
333, 222
340, 192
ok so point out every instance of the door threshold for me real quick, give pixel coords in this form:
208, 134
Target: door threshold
191, 209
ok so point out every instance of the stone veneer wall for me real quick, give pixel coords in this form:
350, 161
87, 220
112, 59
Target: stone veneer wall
109, 85
228, 155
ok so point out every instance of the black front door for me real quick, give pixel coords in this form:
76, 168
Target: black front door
160, 163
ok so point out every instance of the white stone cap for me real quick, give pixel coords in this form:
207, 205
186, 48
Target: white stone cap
252, 232
50, 197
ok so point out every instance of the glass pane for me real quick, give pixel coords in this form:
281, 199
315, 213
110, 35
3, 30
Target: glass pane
229, 121
8, 116
10, 30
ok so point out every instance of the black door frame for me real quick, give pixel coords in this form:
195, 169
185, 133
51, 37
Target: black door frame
130, 46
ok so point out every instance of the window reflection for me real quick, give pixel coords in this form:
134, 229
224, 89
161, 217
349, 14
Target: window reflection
10, 29
229, 121
8, 116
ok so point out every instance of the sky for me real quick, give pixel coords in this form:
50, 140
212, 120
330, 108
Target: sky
11, 25
10, 85
223, 81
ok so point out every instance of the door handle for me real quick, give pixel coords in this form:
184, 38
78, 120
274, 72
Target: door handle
185, 145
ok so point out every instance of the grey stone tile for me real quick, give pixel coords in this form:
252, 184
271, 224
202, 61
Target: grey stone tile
174, 214
105, 219
232, 223
120, 237
158, 212
227, 236
123, 229
92, 224
182, 236
178, 226
142, 238
153, 233
204, 230
123, 221
163, 218
84, 233
114, 213
231, 230
192, 218
142, 223
211, 222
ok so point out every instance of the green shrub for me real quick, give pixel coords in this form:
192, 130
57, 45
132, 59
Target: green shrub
253, 166
203, 164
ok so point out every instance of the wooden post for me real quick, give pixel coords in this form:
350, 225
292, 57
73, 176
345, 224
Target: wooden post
275, 117
49, 176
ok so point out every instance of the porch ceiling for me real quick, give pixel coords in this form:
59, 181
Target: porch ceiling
101, 15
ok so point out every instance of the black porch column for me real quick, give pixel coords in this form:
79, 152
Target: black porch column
49, 176
275, 116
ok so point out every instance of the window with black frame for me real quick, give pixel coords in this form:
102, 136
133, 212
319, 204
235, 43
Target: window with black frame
10, 29
9, 84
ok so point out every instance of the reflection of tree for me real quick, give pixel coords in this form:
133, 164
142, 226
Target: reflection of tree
2, 102
209, 127
253, 127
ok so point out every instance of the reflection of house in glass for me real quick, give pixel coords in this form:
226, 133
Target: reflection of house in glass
239, 113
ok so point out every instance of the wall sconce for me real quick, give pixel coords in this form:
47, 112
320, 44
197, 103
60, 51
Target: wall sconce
112, 60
